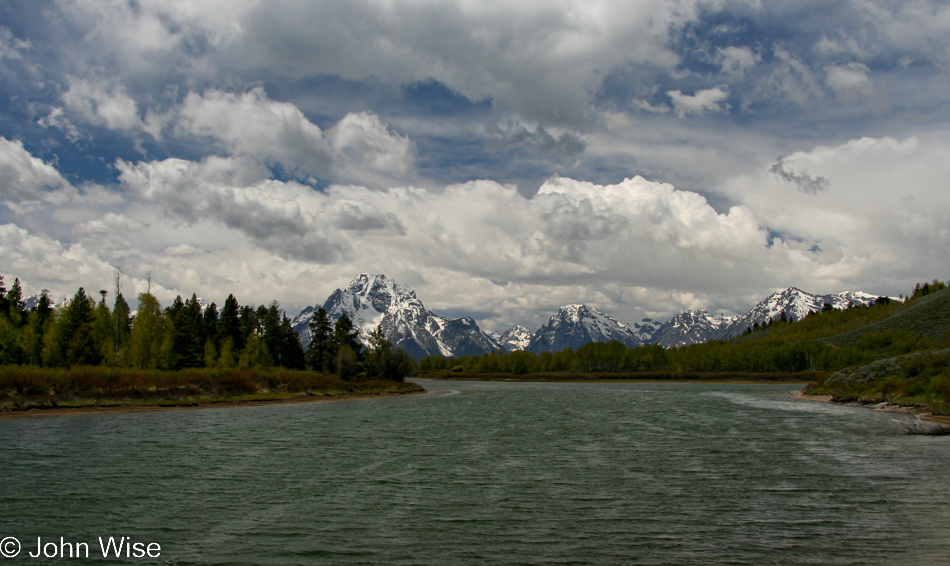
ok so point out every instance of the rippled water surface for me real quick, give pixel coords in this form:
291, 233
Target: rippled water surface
490, 473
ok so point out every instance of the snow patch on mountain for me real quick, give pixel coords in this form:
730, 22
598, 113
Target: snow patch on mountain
691, 327
377, 300
515, 338
575, 325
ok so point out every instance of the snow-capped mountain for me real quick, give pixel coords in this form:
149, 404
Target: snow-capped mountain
646, 329
576, 325
691, 327
516, 338
377, 300
796, 305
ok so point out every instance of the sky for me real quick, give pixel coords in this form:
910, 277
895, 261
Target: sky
504, 159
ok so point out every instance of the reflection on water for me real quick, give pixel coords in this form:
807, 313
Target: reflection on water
492, 473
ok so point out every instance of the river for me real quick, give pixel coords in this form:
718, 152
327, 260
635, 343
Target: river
485, 473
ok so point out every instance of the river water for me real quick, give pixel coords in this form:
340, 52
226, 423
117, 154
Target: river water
478, 473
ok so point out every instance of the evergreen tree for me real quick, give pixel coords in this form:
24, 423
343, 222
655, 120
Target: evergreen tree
104, 329
345, 346
15, 308
77, 338
230, 325
122, 326
318, 349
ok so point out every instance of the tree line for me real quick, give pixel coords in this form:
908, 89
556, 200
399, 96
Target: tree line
185, 334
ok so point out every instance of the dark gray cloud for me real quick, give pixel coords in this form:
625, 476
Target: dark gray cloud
567, 144
805, 182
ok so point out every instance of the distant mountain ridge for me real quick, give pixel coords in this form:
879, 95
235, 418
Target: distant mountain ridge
377, 300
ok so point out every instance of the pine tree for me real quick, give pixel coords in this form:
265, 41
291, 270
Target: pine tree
122, 324
229, 327
14, 304
77, 338
346, 347
319, 347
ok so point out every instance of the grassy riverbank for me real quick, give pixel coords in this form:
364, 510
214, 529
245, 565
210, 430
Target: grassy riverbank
30, 388
920, 379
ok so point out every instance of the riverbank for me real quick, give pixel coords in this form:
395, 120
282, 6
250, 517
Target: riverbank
800, 378
41, 390
917, 412
128, 406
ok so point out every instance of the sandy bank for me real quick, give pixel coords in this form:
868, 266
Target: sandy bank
185, 405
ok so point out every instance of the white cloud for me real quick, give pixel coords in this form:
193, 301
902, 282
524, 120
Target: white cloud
543, 60
886, 210
26, 178
360, 147
48, 263
102, 103
848, 79
736, 61
708, 101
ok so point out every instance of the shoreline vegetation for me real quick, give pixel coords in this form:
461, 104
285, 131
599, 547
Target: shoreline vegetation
85, 389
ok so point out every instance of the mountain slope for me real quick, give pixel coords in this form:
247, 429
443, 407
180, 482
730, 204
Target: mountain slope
515, 338
576, 325
377, 300
691, 327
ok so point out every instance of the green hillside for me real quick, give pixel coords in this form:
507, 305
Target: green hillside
929, 315
920, 378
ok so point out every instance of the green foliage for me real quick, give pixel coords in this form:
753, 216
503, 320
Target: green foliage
27, 387
77, 339
383, 361
318, 350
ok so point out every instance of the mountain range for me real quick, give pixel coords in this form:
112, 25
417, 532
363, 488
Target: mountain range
377, 300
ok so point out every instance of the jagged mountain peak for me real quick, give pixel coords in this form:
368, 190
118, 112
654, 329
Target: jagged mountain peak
377, 300
515, 338
575, 325
691, 327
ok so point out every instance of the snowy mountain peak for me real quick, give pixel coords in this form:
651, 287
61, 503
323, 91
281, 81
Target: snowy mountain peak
576, 325
377, 300
516, 338
691, 327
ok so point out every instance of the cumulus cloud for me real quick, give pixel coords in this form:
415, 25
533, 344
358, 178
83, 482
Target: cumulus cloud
26, 178
707, 101
48, 263
102, 103
874, 220
360, 147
